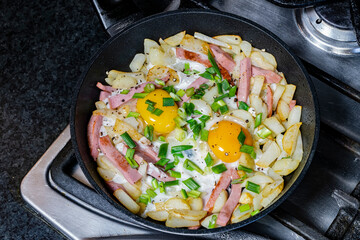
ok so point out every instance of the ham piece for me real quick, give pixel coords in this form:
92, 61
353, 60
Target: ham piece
244, 82
93, 132
104, 95
269, 100
270, 76
195, 84
230, 205
118, 160
105, 88
223, 184
292, 104
223, 58
113, 186
192, 56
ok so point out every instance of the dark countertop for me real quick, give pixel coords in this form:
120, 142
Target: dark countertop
44, 47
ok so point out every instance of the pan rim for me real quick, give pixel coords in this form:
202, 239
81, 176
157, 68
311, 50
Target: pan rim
181, 231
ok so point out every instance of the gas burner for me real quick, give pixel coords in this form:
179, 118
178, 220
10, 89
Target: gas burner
327, 29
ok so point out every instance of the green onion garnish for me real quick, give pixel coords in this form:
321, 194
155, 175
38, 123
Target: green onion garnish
157, 111
264, 132
208, 160
182, 113
180, 155
204, 118
196, 130
224, 109
197, 112
149, 88
241, 137
169, 166
168, 102
189, 108
204, 135
215, 106
207, 75
219, 88
149, 132
219, 168
159, 82
169, 89
150, 108
191, 184
144, 198
133, 114
127, 139
243, 106
184, 194
154, 183
286, 157
126, 91
176, 160
151, 193
162, 162
221, 97
180, 93
150, 102
245, 169
171, 183
187, 166
237, 181
252, 187
194, 193
163, 150
130, 153
193, 165
175, 97
258, 120
212, 222
180, 148
139, 95
190, 91
162, 139
253, 155
213, 63
244, 207
246, 149
179, 122
255, 212
132, 162
174, 174
232, 91
161, 187
225, 85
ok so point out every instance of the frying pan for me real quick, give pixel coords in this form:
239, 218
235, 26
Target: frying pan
119, 50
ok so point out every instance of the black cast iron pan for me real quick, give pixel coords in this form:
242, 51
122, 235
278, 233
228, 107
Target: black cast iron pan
119, 50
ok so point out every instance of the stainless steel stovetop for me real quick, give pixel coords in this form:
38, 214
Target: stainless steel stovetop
324, 206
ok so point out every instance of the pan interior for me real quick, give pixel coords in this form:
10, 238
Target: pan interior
118, 52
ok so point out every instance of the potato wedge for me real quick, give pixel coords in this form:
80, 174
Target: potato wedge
246, 48
258, 84
137, 62
193, 44
106, 174
176, 39
132, 190
148, 44
266, 201
258, 60
245, 116
269, 155
175, 222
246, 161
220, 201
160, 206
188, 214
283, 110
156, 56
294, 115
176, 203
288, 93
230, 39
246, 198
127, 201
274, 125
290, 138
120, 127
238, 216
298, 152
206, 221
285, 166
277, 95
211, 40
158, 215
195, 203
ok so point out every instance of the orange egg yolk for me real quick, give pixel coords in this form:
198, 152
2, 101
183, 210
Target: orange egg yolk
223, 140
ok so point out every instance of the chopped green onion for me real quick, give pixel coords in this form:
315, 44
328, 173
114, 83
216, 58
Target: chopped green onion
162, 139
219, 168
154, 183
189, 108
187, 166
176, 160
264, 132
245, 169
162, 162
126, 91
169, 166
130, 153
225, 84
219, 88
175, 97
232, 91
253, 155
186, 66
244, 207
150, 102
180, 135
182, 113
157, 111
258, 120
132, 162
144, 198
159, 82
174, 174
190, 91
180, 148
224, 109
286, 157
171, 183
207, 170
150, 108
194, 193
196, 130
161, 187
139, 95
191, 184
133, 114
169, 89
243, 106
237, 181
180, 93
151, 193
209, 160
193, 165
215, 106
149, 132
246, 149
197, 112
255, 212
212, 222
180, 155
179, 121
241, 137
163, 150
127, 139
168, 102
221, 97
252, 187
149, 88
184, 194
204, 118
213, 63
204, 135
207, 75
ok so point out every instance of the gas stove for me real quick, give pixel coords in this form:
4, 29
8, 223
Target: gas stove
326, 203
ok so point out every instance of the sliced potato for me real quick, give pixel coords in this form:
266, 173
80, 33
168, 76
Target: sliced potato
238, 216
256, 103
267, 145
106, 174
206, 221
193, 44
274, 193
269, 155
188, 214
162, 72
246, 198
288, 93
290, 138
132, 190
220, 201
246, 161
258, 60
285, 166
274, 125
277, 95
120, 127
124, 82
202, 106
175, 222
158, 215
210, 95
122, 77
137, 62
298, 152
148, 44
230, 39
260, 179
175, 39
211, 40
268, 57
100, 105
283, 110
246, 48
258, 84
156, 56
245, 116
283, 80
294, 115
127, 201
176, 203
160, 206
195, 203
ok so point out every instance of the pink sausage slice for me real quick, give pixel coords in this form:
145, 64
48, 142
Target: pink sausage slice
104, 95
118, 160
192, 56
195, 84
292, 104
230, 205
158, 174
270, 76
223, 58
105, 88
113, 186
93, 132
244, 83
269, 100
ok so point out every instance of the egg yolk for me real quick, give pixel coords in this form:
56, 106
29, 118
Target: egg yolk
165, 122
223, 140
